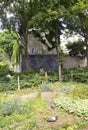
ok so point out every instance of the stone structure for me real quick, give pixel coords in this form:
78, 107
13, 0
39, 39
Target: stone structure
40, 57
69, 62
36, 47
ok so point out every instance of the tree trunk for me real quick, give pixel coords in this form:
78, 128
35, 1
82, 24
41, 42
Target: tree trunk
58, 53
59, 65
86, 40
26, 59
26, 55
87, 51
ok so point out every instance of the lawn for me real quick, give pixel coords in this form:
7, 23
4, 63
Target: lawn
30, 108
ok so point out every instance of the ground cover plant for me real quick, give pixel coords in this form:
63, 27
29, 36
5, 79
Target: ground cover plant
76, 106
30, 108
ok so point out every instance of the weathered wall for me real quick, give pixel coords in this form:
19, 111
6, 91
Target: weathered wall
41, 62
36, 47
69, 61
50, 62
40, 57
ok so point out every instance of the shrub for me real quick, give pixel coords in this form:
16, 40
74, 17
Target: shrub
46, 86
12, 84
4, 69
67, 89
11, 106
79, 74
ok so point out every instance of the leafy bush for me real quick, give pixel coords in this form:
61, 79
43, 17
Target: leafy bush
4, 69
67, 89
46, 86
81, 77
27, 80
79, 74
2, 87
32, 80
12, 84
11, 106
8, 85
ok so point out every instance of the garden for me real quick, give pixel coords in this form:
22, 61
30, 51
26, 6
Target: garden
43, 99
43, 103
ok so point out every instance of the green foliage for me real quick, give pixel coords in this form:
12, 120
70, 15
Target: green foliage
46, 86
77, 106
18, 21
11, 106
78, 20
67, 89
81, 77
76, 48
73, 89
69, 126
6, 42
35, 79
16, 53
27, 80
32, 113
78, 74
4, 69
80, 90
12, 85
31, 79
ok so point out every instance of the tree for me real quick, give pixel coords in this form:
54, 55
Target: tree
49, 21
3, 4
77, 20
76, 48
6, 42
20, 12
10, 48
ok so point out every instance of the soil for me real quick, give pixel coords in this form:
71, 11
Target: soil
62, 118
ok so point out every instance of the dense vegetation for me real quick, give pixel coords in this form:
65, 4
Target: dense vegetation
35, 78
29, 107
19, 112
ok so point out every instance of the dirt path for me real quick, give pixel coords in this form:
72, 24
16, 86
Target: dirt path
47, 95
63, 117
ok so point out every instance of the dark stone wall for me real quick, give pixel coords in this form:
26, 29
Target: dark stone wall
41, 62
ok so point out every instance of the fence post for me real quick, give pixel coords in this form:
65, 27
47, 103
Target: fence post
71, 75
18, 82
46, 76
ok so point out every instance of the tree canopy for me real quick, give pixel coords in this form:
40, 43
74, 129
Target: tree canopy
45, 17
76, 48
7, 40
49, 23
77, 20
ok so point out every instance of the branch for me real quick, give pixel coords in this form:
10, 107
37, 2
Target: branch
5, 3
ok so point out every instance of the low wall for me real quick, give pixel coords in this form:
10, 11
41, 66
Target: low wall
51, 62
70, 62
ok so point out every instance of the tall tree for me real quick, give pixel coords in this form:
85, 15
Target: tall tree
78, 20
49, 21
16, 17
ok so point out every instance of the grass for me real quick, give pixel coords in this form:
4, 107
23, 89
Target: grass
37, 109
